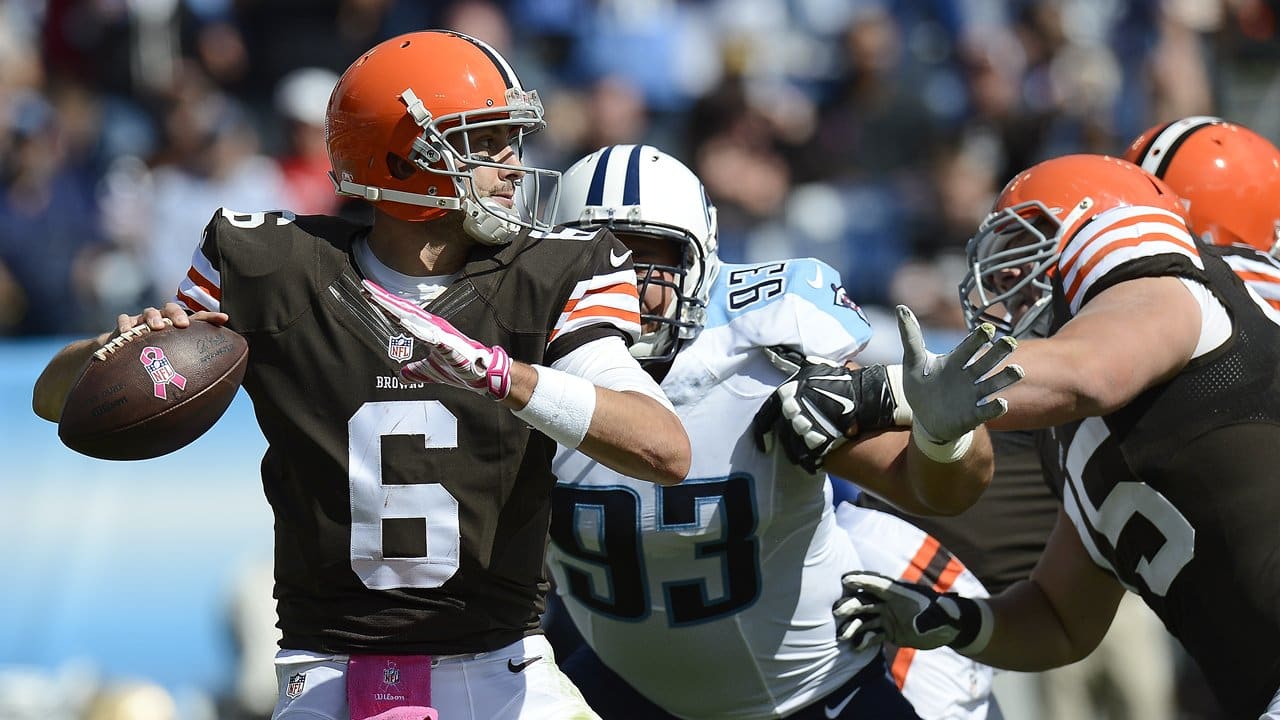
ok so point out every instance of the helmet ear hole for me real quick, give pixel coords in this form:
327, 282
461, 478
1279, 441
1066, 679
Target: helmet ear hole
400, 168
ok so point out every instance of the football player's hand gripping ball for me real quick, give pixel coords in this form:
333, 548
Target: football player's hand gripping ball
875, 607
949, 394
452, 357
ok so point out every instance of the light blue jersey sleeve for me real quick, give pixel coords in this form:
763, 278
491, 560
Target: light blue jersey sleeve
799, 303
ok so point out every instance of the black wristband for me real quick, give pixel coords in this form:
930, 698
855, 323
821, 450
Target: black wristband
970, 622
875, 401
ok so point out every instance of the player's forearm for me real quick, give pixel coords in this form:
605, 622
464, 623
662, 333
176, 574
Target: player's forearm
950, 488
626, 431
1022, 613
1066, 606
1128, 339
51, 388
636, 436
1055, 389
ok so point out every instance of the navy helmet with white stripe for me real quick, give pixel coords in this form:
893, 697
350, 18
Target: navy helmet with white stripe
638, 189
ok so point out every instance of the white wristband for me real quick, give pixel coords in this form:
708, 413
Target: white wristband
902, 409
947, 452
560, 407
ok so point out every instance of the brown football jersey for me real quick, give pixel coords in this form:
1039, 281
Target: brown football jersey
409, 518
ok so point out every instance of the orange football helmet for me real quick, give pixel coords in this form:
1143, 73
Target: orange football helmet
1228, 176
398, 124
1012, 257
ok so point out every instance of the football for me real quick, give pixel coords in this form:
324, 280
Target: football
149, 392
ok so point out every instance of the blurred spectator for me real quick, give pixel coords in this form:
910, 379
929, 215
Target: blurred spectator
283, 35
877, 127
48, 221
210, 159
301, 99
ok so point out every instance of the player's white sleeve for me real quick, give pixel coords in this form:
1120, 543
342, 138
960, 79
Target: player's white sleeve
607, 362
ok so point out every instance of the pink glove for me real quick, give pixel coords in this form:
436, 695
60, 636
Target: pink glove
453, 358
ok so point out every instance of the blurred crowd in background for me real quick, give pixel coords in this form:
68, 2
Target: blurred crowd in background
870, 133
873, 134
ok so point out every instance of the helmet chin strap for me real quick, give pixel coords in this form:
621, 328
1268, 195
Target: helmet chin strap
488, 222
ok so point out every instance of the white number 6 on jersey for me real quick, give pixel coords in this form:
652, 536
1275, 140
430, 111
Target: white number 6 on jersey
372, 502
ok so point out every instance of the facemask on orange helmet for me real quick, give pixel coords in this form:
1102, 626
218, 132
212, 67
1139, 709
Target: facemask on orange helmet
1014, 254
1227, 175
400, 125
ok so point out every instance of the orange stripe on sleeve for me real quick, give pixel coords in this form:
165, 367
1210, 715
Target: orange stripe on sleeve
1257, 277
1065, 268
928, 549
205, 284
901, 665
948, 576
620, 288
1104, 253
191, 303
604, 311
901, 661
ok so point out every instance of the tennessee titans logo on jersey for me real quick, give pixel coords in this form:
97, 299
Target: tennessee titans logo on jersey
842, 298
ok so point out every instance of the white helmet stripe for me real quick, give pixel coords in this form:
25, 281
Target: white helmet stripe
1156, 156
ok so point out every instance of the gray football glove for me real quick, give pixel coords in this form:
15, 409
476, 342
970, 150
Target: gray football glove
875, 607
948, 393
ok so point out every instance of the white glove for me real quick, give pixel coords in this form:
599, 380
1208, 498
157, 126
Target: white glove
948, 393
452, 357
876, 607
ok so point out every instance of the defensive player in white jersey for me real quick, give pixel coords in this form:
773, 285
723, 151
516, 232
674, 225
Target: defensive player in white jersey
714, 599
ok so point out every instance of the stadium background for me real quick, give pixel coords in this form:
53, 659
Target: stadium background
870, 133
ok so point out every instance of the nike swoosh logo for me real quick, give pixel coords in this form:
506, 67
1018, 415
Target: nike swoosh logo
846, 405
515, 667
833, 711
617, 260
816, 282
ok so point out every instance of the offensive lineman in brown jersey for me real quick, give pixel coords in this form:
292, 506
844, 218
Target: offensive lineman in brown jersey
412, 379
1157, 391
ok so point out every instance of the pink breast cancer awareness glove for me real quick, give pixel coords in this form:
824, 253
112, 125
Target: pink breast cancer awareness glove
452, 357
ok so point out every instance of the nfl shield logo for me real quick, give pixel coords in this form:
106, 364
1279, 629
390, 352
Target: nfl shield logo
400, 347
391, 674
297, 682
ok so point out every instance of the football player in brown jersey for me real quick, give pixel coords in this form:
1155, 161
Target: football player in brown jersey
1159, 405
412, 379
